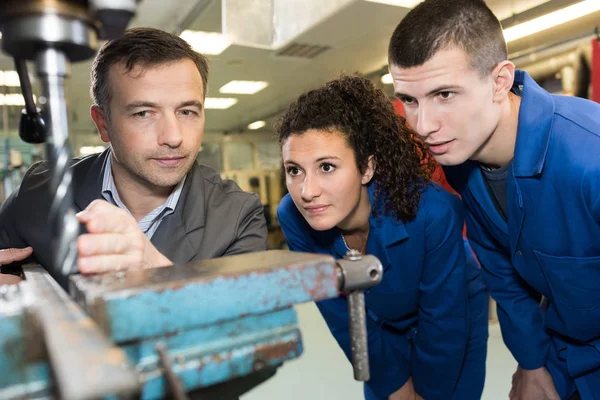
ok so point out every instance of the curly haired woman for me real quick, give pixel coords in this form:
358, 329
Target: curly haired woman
356, 180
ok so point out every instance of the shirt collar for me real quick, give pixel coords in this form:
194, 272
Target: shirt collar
536, 114
111, 194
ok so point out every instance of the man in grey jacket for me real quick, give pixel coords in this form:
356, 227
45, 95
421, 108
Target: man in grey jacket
145, 201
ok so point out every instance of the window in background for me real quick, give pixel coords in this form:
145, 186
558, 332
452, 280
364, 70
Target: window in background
211, 156
239, 155
269, 155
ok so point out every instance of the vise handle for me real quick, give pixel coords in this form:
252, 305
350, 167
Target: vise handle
357, 273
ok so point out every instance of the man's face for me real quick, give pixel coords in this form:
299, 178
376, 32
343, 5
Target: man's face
156, 121
449, 105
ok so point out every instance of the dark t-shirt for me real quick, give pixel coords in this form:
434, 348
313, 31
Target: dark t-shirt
495, 181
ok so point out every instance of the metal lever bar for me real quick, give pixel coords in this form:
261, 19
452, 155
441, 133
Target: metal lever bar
32, 127
358, 273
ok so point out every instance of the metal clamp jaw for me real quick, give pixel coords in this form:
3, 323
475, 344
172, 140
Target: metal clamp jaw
231, 314
357, 273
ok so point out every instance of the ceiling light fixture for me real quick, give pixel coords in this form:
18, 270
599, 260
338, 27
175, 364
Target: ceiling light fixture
209, 43
527, 28
399, 3
551, 20
257, 125
243, 87
219, 103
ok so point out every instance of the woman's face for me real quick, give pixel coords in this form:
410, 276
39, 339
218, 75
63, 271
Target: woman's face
324, 180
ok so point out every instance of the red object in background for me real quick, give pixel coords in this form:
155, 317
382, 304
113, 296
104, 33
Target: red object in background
596, 70
438, 175
399, 107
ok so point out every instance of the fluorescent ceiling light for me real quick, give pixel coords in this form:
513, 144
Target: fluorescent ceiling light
219, 103
551, 20
211, 43
387, 79
243, 87
13, 99
399, 3
257, 125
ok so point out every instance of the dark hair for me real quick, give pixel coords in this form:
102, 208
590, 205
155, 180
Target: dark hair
144, 47
436, 25
366, 117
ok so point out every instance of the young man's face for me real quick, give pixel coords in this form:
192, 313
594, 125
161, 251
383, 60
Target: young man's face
156, 122
449, 105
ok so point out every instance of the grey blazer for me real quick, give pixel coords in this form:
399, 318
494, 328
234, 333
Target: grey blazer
213, 217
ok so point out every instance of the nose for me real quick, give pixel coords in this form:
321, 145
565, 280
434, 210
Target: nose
427, 122
171, 134
310, 188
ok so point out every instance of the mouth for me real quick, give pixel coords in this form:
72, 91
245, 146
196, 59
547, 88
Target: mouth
439, 148
314, 210
169, 162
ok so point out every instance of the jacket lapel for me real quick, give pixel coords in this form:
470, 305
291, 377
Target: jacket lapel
87, 182
177, 232
516, 214
386, 231
536, 115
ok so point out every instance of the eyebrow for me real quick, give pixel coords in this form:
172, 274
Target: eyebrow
327, 158
191, 103
140, 104
442, 88
317, 160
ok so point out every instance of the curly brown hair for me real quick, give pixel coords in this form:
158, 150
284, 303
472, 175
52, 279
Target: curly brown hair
367, 119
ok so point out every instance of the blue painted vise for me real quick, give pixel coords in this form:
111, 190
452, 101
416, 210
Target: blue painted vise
211, 329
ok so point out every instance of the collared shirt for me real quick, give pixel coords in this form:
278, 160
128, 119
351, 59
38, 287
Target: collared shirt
149, 223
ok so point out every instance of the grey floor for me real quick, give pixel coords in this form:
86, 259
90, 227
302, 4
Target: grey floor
323, 373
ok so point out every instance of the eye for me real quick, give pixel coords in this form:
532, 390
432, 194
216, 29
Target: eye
292, 171
142, 114
407, 100
446, 95
327, 167
188, 113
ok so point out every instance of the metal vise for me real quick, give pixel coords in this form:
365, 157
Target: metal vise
210, 329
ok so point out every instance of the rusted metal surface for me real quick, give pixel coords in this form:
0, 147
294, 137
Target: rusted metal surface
217, 320
210, 355
25, 373
140, 304
174, 388
84, 363
265, 354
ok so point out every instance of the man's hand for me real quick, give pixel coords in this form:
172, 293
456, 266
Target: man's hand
9, 256
406, 392
534, 384
114, 241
